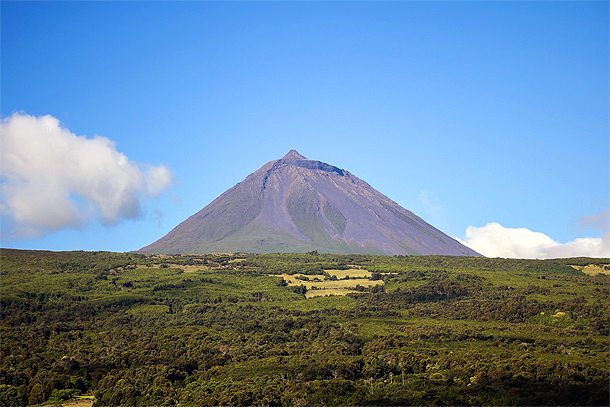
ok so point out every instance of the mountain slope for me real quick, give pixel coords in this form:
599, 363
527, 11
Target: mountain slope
296, 205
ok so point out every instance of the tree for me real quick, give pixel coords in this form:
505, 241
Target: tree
11, 396
37, 394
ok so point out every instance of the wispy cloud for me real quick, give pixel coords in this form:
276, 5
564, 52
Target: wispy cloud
599, 221
431, 205
159, 216
53, 179
495, 240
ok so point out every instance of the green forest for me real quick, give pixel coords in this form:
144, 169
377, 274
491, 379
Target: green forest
237, 329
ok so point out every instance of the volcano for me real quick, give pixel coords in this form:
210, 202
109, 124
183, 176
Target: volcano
298, 205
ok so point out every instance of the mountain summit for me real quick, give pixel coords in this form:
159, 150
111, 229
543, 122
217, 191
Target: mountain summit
298, 205
293, 155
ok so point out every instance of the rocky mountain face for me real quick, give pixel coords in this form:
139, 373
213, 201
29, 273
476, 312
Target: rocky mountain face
298, 205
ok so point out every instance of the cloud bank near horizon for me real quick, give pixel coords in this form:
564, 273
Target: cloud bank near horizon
53, 179
495, 240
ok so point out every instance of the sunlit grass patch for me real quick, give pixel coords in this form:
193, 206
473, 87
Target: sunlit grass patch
298, 279
592, 269
319, 286
353, 272
341, 284
79, 401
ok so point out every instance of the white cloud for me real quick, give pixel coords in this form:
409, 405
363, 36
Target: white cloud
53, 179
495, 240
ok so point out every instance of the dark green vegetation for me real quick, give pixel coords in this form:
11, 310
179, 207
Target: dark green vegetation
220, 330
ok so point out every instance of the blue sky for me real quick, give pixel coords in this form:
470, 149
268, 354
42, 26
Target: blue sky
466, 113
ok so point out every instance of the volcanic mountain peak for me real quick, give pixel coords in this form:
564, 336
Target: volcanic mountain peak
293, 155
298, 205
296, 159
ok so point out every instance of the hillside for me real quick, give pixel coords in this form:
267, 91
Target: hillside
239, 329
297, 205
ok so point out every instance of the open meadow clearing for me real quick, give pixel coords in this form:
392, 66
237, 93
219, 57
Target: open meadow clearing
343, 282
352, 272
593, 269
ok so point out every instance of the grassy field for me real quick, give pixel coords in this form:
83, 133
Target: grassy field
594, 269
80, 401
238, 329
352, 272
319, 285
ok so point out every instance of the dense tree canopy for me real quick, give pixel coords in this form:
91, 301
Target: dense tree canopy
225, 330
